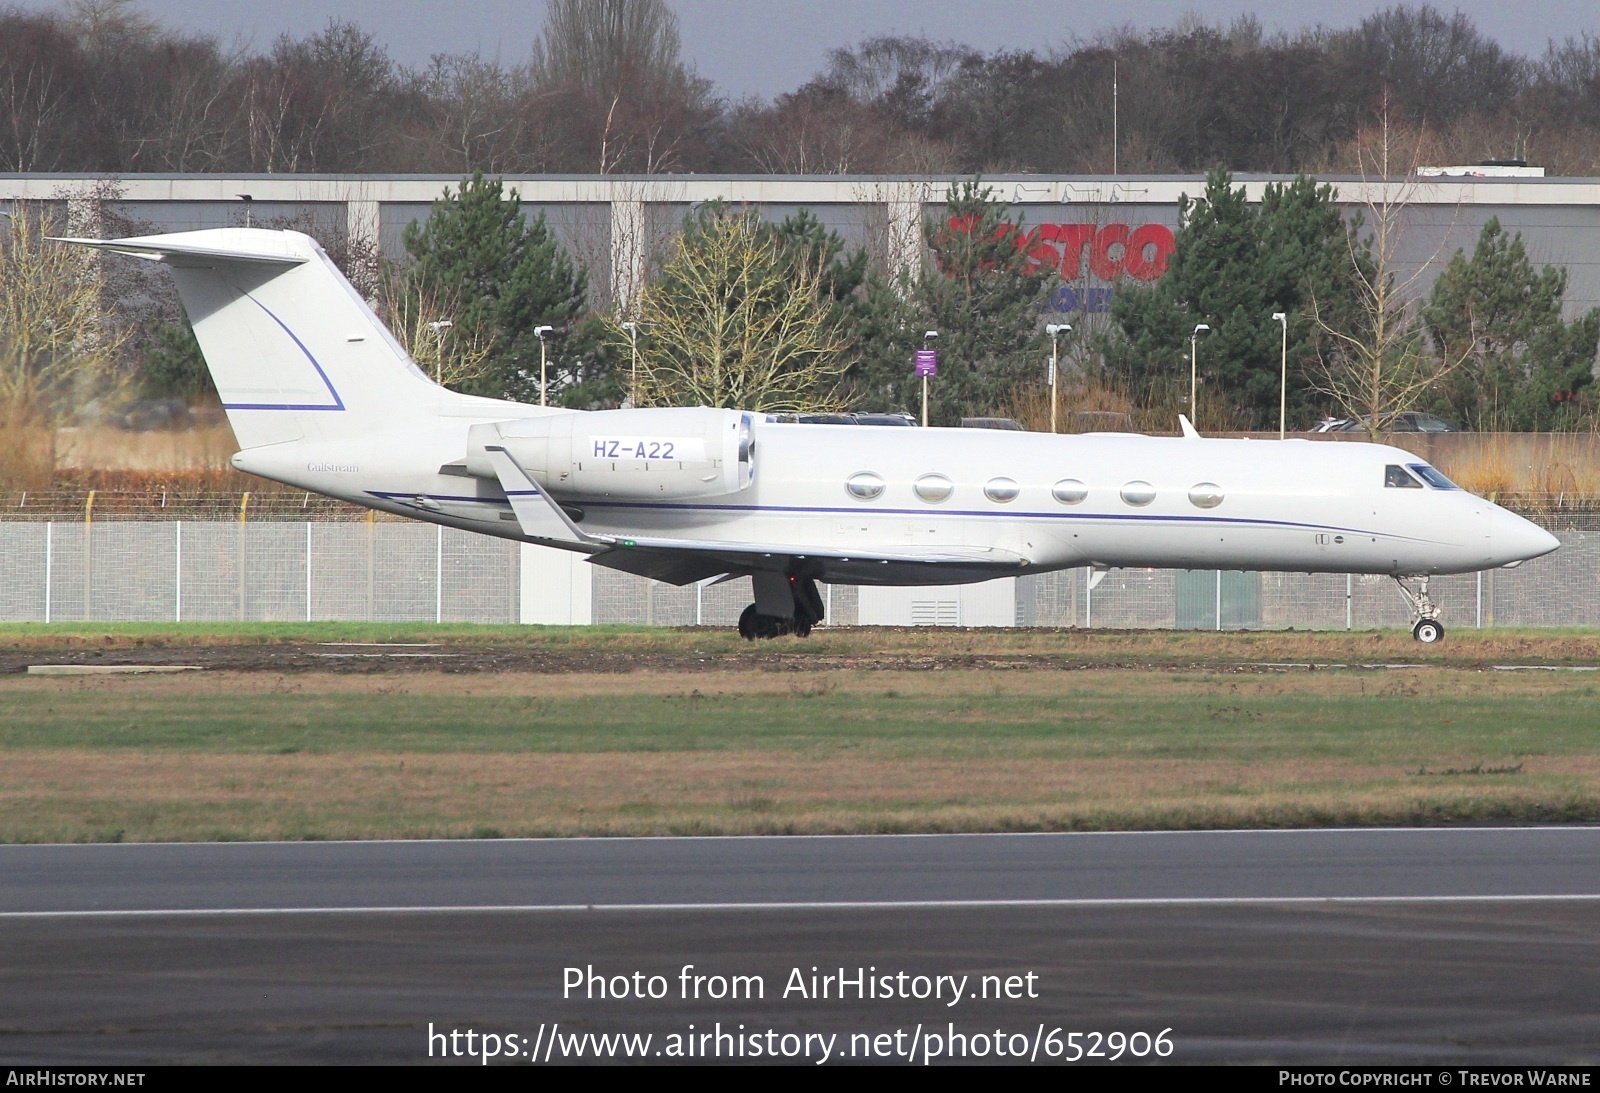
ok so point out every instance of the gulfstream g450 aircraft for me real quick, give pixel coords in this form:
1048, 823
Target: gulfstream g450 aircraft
321, 397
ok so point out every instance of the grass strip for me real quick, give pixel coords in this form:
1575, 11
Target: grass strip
256, 755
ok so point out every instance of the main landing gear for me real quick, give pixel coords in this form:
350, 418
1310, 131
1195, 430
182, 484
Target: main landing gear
1425, 626
784, 605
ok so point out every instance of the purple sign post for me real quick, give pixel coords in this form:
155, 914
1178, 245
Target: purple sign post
927, 365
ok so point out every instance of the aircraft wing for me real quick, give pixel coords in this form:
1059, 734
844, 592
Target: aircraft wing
684, 561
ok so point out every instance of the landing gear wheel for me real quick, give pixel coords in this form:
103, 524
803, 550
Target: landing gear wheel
754, 625
808, 606
1428, 631
1425, 626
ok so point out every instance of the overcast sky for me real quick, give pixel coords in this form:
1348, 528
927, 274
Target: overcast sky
765, 47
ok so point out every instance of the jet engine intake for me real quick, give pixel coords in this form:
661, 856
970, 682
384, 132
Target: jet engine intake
641, 454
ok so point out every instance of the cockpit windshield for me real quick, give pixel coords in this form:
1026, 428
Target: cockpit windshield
1396, 478
1431, 476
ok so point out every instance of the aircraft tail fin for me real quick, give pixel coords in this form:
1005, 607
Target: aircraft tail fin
294, 350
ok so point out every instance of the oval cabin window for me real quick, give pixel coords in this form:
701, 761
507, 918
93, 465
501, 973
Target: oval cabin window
934, 488
1001, 489
1205, 495
864, 486
1069, 491
1138, 494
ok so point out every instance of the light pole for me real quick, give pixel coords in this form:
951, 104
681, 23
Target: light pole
539, 332
1194, 371
439, 326
1283, 375
1053, 329
633, 345
927, 337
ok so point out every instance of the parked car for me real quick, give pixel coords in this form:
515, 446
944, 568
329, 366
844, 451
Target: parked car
1101, 421
842, 419
813, 419
1411, 421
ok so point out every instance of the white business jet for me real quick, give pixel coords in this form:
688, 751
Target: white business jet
321, 397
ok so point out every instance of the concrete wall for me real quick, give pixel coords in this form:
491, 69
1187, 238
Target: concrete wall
616, 225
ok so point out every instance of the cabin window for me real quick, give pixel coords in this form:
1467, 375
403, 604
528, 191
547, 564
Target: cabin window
1138, 493
1205, 495
1431, 476
1396, 478
934, 488
1069, 491
864, 486
1001, 489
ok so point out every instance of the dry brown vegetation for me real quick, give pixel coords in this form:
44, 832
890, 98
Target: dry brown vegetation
76, 796
873, 647
945, 751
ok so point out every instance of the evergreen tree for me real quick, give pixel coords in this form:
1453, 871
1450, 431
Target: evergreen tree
810, 245
981, 291
510, 277
1525, 367
173, 366
1233, 266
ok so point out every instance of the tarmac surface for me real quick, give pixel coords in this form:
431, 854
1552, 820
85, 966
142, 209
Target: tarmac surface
1459, 945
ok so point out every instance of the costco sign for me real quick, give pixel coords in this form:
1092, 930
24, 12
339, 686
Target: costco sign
1109, 251
1079, 252
1104, 251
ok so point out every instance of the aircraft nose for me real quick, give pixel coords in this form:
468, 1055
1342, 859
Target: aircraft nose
1513, 539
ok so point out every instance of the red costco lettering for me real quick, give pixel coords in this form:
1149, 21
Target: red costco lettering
1118, 249
1115, 250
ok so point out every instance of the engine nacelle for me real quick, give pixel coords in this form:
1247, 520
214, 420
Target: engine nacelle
643, 454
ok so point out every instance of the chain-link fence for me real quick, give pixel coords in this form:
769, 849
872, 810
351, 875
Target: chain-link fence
218, 570
1560, 589
338, 570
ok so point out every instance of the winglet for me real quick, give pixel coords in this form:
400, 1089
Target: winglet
1189, 431
537, 511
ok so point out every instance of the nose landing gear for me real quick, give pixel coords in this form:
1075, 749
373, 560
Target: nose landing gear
1428, 631
1425, 625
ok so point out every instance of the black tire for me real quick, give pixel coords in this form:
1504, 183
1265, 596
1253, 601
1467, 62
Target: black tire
754, 626
1428, 631
808, 607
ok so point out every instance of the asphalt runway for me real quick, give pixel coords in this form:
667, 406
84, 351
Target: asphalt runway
1478, 945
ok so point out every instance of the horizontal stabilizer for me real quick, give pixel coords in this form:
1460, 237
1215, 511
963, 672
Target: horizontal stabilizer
182, 250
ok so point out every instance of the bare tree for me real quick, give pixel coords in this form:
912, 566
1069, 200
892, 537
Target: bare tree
1379, 363
55, 349
617, 89
476, 115
420, 318
733, 321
